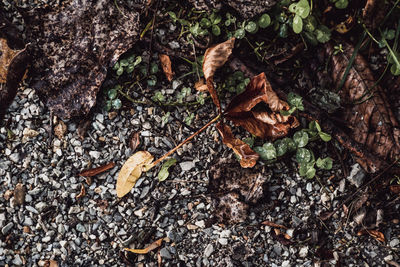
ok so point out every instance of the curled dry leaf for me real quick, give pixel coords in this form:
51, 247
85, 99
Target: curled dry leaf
214, 58
374, 233
82, 193
264, 122
166, 66
248, 157
201, 86
98, 170
146, 250
367, 113
134, 142
131, 171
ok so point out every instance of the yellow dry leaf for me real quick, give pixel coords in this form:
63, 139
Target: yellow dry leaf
131, 171
151, 247
216, 56
6, 56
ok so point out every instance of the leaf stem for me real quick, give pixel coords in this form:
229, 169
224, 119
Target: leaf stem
182, 143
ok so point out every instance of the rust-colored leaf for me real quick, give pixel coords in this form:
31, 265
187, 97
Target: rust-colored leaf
6, 56
395, 189
82, 193
269, 223
374, 233
201, 86
98, 170
146, 250
367, 112
214, 58
166, 66
248, 157
131, 171
134, 142
264, 122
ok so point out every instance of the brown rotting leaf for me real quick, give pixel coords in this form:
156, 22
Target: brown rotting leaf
98, 170
166, 66
374, 233
214, 58
367, 112
134, 141
264, 123
248, 158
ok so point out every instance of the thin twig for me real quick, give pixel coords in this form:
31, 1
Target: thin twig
184, 142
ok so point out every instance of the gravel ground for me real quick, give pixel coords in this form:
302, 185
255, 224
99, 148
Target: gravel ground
42, 219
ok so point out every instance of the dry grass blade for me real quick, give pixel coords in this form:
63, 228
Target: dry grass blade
166, 66
269, 223
146, 250
264, 122
214, 58
131, 171
98, 170
248, 157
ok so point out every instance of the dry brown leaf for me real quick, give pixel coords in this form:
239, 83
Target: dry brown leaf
60, 130
214, 58
6, 56
269, 223
134, 142
82, 193
95, 171
146, 250
19, 194
201, 86
395, 189
264, 123
367, 113
166, 66
131, 171
248, 157
374, 233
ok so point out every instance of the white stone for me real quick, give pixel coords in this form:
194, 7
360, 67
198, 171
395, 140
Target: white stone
187, 165
209, 250
303, 252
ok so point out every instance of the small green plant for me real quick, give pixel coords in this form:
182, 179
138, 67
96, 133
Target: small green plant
189, 119
127, 64
304, 157
340, 4
183, 94
164, 172
113, 102
236, 82
295, 102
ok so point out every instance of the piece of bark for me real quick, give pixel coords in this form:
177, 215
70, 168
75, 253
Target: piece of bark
73, 46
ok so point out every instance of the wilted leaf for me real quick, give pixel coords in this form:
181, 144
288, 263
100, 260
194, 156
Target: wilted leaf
201, 86
82, 193
131, 171
374, 233
166, 66
70, 62
98, 170
163, 174
266, 122
60, 130
134, 141
146, 250
369, 115
214, 58
13, 65
6, 56
248, 157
